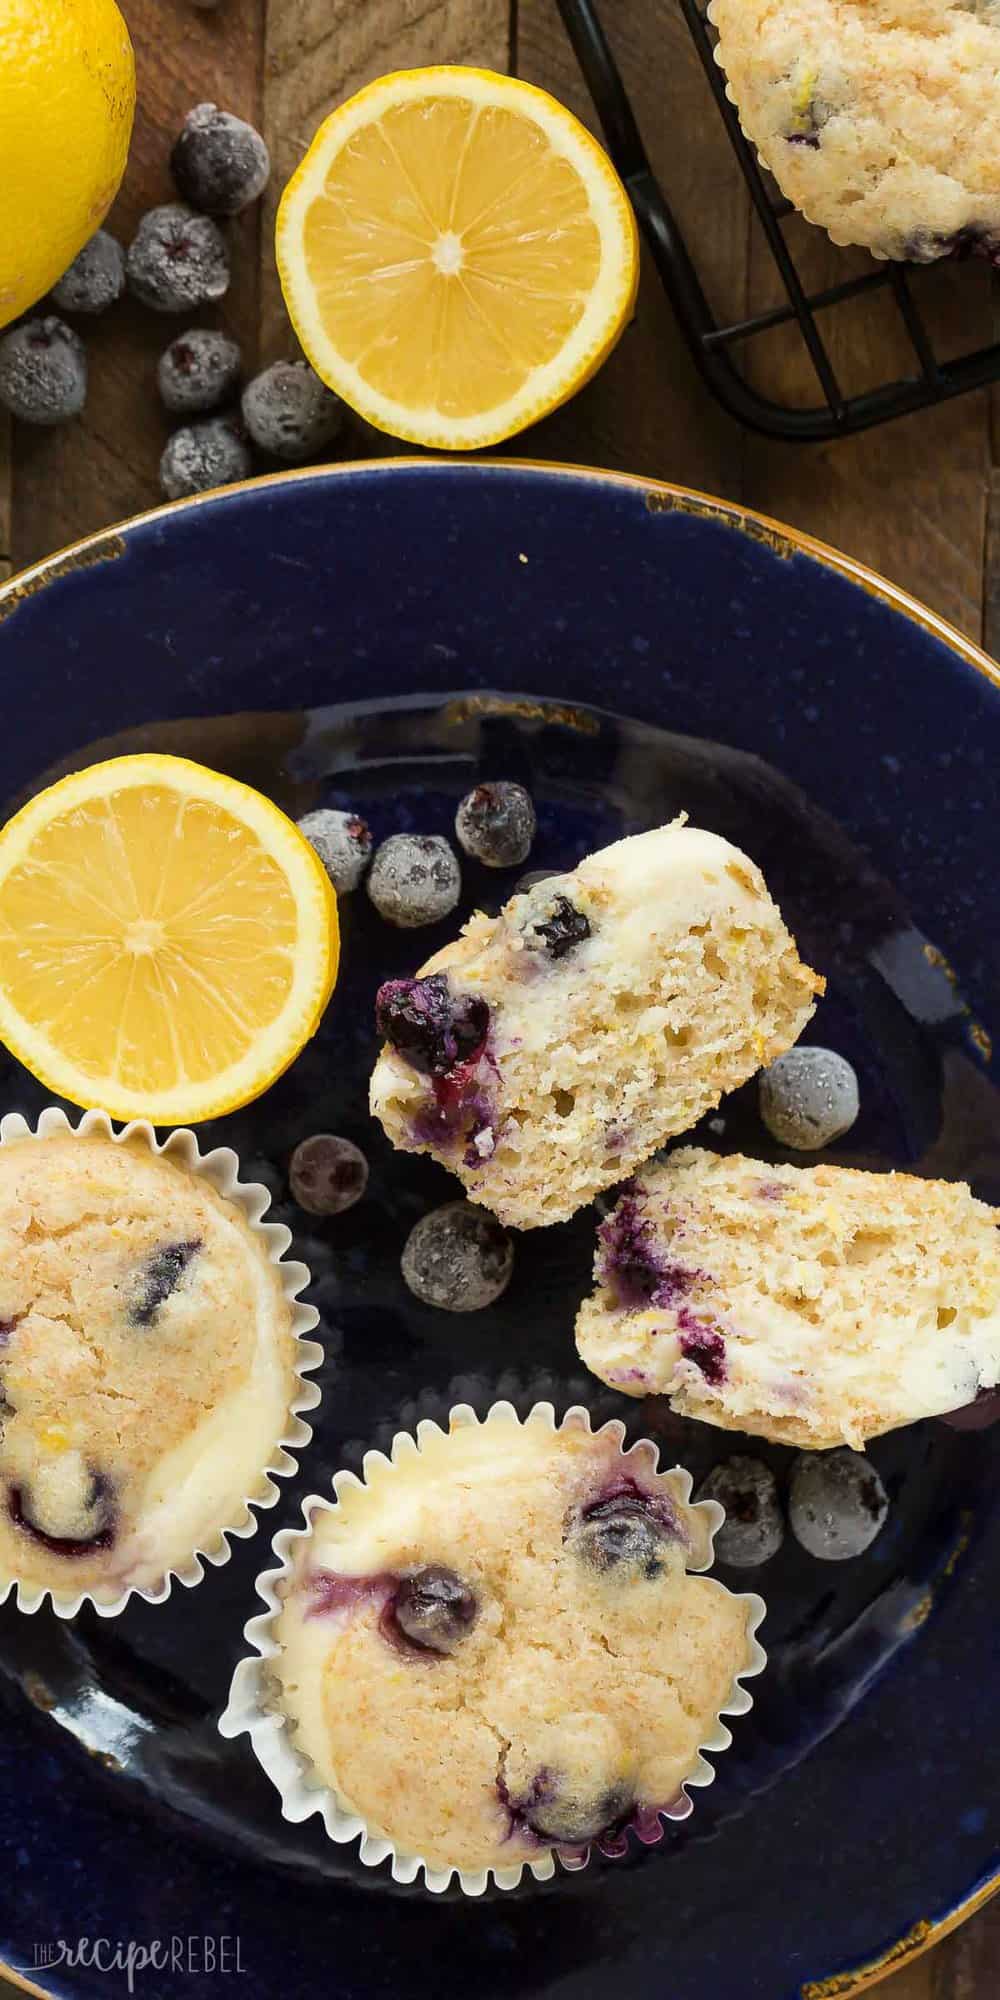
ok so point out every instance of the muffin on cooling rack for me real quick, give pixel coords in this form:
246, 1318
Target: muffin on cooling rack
880, 119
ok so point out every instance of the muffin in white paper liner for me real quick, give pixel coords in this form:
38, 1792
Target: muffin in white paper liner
220, 1169
254, 1704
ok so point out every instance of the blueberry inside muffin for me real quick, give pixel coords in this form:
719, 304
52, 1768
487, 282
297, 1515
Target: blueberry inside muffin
496, 1647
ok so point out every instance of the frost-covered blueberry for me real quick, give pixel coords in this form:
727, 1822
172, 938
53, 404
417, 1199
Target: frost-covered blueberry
177, 260
414, 879
343, 842
434, 1027
200, 456
808, 1098
327, 1174
562, 929
753, 1529
198, 371
95, 279
496, 824
434, 1609
159, 1276
458, 1258
220, 163
43, 372
836, 1503
290, 413
69, 1507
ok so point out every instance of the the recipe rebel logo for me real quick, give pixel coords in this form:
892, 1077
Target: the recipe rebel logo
216, 1956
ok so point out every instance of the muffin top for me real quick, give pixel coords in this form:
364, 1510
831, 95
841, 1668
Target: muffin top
146, 1364
879, 118
494, 1647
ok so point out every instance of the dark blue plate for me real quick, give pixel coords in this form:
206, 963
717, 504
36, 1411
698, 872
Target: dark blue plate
384, 634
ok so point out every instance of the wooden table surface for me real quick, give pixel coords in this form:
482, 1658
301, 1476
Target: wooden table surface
914, 499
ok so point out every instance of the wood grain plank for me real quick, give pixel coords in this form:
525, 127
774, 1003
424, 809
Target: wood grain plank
6, 472
317, 53
72, 480
647, 410
910, 496
964, 1966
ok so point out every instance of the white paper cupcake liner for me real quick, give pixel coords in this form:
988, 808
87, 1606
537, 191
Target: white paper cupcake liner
252, 1708
221, 1168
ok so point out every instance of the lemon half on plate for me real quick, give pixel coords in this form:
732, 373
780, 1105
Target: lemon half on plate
457, 254
168, 939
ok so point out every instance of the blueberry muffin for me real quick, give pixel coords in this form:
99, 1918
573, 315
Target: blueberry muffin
147, 1366
813, 1305
550, 1050
878, 118
494, 1648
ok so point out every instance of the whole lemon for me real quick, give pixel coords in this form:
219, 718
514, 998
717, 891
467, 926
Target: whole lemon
67, 98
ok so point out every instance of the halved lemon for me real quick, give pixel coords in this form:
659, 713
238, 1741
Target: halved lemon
457, 254
168, 939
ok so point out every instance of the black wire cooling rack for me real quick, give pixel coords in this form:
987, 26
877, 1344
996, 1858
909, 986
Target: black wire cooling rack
715, 345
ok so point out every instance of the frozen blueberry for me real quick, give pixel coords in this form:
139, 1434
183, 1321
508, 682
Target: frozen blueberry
43, 372
177, 260
562, 930
343, 843
198, 371
95, 279
808, 1098
160, 1275
220, 163
624, 1532
458, 1258
290, 413
496, 824
753, 1529
434, 1609
327, 1174
200, 456
836, 1503
415, 879
429, 1024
